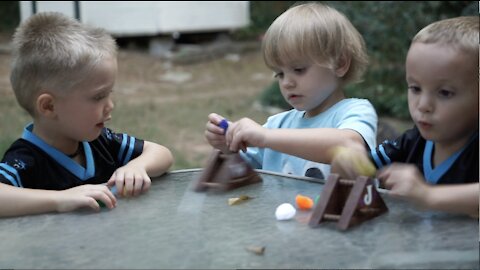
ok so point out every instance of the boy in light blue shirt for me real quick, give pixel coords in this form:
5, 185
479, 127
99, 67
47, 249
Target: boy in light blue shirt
342, 115
315, 52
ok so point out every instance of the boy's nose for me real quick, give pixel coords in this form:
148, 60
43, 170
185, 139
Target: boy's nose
288, 83
424, 104
109, 106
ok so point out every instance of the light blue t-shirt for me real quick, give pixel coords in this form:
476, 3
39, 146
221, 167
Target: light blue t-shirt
352, 113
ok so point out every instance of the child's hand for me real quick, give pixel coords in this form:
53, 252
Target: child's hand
405, 181
351, 162
214, 134
130, 180
245, 132
84, 196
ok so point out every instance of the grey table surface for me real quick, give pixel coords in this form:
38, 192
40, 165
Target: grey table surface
172, 226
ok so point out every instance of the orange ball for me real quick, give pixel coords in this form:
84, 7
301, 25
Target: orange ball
304, 202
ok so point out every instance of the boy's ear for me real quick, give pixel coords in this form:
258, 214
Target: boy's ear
343, 65
45, 105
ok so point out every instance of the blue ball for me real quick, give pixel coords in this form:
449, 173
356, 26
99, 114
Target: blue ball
224, 124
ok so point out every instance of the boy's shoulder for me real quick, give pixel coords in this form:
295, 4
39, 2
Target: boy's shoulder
24, 153
348, 105
280, 118
352, 109
20, 157
20, 148
352, 102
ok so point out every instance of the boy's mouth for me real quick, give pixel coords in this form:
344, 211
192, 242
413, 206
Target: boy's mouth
293, 96
102, 124
424, 124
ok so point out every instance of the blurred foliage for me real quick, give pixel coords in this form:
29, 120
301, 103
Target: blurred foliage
9, 16
388, 27
262, 14
271, 96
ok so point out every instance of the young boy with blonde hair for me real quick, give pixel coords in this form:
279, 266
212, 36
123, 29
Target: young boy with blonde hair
63, 74
315, 52
442, 77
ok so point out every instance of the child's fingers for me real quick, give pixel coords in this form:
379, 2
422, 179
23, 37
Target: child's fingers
147, 182
229, 135
385, 179
211, 136
110, 195
214, 129
119, 180
129, 181
137, 185
105, 198
93, 204
111, 181
234, 137
236, 142
383, 173
218, 143
215, 118
243, 147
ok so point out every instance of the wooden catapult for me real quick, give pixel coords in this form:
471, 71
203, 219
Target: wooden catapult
225, 172
348, 202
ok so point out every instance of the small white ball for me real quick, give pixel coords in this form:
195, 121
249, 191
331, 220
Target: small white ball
285, 211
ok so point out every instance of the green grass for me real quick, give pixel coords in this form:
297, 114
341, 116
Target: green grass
168, 113
180, 126
12, 121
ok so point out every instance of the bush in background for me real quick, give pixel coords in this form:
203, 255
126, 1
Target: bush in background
271, 96
9, 16
387, 26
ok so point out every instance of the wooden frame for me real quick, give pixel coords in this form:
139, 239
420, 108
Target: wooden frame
225, 172
349, 202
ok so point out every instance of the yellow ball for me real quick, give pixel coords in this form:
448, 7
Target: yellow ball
361, 164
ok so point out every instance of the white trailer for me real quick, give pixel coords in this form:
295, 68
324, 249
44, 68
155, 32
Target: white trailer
149, 18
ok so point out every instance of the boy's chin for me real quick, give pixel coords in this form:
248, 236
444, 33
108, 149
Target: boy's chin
92, 137
298, 108
427, 135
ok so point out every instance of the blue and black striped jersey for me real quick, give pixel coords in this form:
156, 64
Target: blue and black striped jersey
411, 147
32, 163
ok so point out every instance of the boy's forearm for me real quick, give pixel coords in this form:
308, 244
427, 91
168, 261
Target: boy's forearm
312, 144
23, 201
461, 198
156, 159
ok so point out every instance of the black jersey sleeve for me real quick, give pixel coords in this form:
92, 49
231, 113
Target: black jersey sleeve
17, 165
122, 146
397, 150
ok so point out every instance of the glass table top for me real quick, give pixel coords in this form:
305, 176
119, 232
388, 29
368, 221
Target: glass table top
171, 226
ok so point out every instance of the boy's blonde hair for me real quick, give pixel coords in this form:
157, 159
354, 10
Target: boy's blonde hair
461, 33
53, 52
315, 32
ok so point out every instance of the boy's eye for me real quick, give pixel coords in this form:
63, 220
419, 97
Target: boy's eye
102, 95
99, 97
299, 70
414, 89
445, 93
278, 75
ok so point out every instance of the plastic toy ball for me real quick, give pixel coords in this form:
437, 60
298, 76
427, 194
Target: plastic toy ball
304, 202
